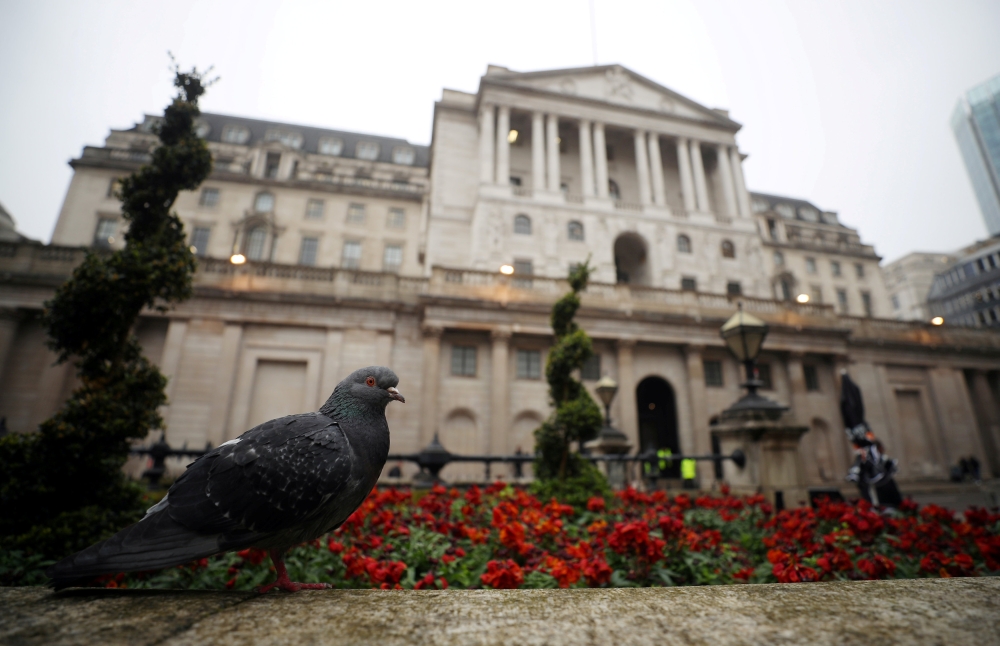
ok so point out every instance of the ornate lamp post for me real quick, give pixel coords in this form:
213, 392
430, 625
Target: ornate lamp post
744, 335
610, 441
606, 389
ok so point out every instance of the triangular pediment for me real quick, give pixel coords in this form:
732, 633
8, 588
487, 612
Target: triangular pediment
611, 84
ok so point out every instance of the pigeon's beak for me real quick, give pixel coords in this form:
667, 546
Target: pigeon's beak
395, 394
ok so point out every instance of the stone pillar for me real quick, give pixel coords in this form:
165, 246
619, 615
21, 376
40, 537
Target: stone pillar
486, 117
552, 147
656, 169
742, 197
331, 361
687, 184
586, 160
600, 161
642, 166
697, 440
431, 380
503, 146
698, 166
537, 151
629, 418
726, 178
172, 349
9, 320
988, 413
797, 388
500, 392
219, 418
50, 389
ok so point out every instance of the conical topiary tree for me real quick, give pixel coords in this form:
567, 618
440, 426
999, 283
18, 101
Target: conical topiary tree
62, 488
576, 417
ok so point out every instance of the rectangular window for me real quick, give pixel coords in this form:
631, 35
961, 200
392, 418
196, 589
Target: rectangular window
713, 373
866, 303
396, 219
271, 163
463, 360
307, 254
689, 284
529, 364
835, 267
352, 254
733, 288
199, 240
772, 228
811, 265
812, 377
330, 146
859, 270
816, 293
392, 258
104, 235
356, 213
842, 300
764, 374
314, 209
779, 258
366, 150
515, 180
523, 270
113, 186
209, 197
591, 369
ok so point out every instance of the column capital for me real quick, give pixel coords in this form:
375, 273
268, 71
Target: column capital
626, 343
432, 331
694, 348
502, 333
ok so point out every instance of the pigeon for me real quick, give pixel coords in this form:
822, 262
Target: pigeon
282, 483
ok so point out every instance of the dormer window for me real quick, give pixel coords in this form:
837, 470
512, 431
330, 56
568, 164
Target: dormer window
403, 155
202, 129
759, 205
286, 137
331, 146
808, 214
785, 211
366, 150
233, 134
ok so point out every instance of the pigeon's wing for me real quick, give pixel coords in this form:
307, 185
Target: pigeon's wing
274, 476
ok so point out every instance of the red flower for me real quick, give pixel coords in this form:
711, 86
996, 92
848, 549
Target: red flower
503, 575
562, 571
744, 574
877, 567
634, 538
595, 504
597, 572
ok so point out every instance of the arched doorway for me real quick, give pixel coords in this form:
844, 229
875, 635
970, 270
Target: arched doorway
658, 419
631, 264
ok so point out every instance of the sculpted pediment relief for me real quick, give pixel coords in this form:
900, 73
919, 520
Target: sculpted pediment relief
614, 84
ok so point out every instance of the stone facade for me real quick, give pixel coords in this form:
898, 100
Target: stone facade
536, 171
909, 281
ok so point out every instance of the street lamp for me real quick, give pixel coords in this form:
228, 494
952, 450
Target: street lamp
506, 270
744, 335
606, 389
237, 259
937, 320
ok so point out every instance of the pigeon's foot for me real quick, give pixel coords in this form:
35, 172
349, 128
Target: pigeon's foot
283, 582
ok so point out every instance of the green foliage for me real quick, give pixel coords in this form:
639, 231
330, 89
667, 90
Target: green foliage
576, 417
574, 490
62, 488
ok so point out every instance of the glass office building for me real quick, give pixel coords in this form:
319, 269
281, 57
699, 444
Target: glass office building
976, 124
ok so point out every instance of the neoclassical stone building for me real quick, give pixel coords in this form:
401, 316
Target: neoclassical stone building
363, 249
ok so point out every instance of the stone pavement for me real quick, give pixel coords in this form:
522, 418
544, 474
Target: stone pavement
925, 611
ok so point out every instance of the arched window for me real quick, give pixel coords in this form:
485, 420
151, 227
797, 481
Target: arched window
264, 203
683, 244
728, 250
256, 240
613, 191
575, 230
522, 224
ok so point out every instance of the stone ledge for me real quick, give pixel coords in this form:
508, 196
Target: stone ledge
878, 612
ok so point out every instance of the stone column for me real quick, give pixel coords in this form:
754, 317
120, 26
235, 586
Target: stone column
742, 197
219, 418
600, 161
687, 184
486, 116
698, 439
331, 361
726, 177
500, 392
642, 166
9, 320
50, 388
698, 166
537, 151
629, 418
503, 146
586, 160
172, 348
797, 388
988, 413
431, 380
656, 169
552, 146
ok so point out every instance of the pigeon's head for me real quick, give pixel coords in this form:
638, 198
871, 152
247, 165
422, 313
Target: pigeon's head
375, 386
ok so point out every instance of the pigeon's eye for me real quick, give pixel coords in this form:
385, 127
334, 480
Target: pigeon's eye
370, 381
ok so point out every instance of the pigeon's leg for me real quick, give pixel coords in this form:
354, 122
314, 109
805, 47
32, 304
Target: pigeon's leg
283, 582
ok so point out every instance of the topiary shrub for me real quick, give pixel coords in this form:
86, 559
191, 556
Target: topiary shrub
62, 488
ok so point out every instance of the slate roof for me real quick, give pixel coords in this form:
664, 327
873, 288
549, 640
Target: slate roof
311, 136
795, 203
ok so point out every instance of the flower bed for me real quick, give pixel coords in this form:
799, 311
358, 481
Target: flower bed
503, 537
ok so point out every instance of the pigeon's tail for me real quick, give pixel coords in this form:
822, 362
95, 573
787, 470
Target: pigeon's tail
157, 541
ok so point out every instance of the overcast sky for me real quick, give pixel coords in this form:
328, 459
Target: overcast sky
845, 104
